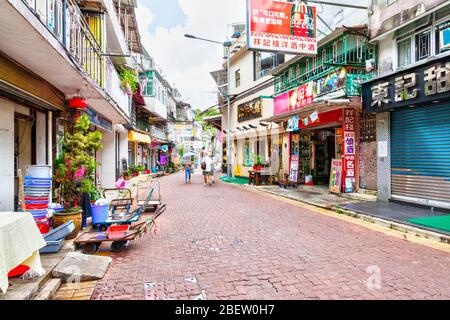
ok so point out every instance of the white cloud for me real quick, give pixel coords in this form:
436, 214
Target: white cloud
187, 62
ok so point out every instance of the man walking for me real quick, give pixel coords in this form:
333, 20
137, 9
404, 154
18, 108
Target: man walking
207, 168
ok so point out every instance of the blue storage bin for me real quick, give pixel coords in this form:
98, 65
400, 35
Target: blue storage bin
52, 246
61, 232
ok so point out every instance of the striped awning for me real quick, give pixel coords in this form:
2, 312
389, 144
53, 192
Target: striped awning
138, 137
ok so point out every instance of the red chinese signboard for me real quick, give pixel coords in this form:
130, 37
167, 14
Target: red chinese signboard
301, 97
349, 152
281, 27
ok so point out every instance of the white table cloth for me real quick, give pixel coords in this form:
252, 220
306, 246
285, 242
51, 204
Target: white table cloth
20, 241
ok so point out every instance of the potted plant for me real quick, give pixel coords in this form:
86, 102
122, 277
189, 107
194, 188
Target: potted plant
74, 171
129, 80
258, 164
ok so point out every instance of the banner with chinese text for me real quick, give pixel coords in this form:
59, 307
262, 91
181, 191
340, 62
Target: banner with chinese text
281, 27
349, 152
336, 176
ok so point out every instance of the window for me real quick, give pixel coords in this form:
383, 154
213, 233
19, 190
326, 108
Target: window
237, 76
423, 45
265, 62
404, 52
443, 37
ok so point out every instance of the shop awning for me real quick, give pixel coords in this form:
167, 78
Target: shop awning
138, 137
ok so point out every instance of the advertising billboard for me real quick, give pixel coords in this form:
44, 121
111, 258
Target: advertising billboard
281, 27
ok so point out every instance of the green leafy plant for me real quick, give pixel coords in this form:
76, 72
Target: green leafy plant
259, 160
129, 79
74, 170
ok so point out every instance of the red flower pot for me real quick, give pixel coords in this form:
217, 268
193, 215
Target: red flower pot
77, 103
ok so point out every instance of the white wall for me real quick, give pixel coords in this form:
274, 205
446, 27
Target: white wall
7, 155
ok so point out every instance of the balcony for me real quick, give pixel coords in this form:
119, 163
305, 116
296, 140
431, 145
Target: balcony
158, 133
113, 88
156, 108
349, 50
52, 39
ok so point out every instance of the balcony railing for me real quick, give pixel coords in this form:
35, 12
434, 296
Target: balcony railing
65, 21
113, 87
349, 50
158, 133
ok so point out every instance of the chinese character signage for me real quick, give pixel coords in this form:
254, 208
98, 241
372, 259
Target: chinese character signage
281, 27
250, 110
349, 152
301, 97
422, 85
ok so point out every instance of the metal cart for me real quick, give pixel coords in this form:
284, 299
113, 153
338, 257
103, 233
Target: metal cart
155, 201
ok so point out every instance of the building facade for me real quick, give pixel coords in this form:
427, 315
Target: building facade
409, 99
53, 50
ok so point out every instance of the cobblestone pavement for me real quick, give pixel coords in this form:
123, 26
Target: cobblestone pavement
222, 242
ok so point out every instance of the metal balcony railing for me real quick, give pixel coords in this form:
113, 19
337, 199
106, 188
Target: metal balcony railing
158, 133
350, 50
65, 21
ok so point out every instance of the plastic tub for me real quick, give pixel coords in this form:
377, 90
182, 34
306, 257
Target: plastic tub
60, 232
39, 171
52, 246
117, 232
100, 213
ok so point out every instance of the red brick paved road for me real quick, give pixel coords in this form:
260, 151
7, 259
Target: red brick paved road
241, 245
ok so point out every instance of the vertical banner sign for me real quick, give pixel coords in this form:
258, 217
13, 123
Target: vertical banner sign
293, 174
349, 152
281, 27
336, 176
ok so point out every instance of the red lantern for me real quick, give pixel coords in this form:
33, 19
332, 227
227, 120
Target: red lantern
77, 103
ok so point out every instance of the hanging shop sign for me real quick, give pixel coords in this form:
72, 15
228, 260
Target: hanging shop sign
250, 110
281, 27
98, 120
336, 176
428, 83
292, 124
349, 152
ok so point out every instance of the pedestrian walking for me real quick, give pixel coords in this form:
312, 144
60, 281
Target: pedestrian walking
187, 167
206, 167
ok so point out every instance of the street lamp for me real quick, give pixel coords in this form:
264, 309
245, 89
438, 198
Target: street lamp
226, 44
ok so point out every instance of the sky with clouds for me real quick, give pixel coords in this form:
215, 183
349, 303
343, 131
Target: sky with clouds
187, 63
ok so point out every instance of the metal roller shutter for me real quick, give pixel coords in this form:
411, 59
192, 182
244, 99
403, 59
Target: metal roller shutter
420, 155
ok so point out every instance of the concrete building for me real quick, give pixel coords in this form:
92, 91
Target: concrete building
409, 99
51, 51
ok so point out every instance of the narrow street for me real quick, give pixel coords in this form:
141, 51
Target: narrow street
234, 244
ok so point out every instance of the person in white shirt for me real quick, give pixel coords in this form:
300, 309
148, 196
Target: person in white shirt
207, 169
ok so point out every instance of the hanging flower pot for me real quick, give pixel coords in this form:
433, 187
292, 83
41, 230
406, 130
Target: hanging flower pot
77, 103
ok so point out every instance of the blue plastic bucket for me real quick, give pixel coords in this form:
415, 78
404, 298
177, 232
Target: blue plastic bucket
100, 213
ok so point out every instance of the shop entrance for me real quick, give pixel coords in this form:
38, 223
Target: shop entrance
315, 149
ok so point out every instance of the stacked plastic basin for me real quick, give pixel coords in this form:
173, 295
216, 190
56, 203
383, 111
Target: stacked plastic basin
37, 194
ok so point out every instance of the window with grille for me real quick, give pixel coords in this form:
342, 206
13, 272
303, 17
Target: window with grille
368, 128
